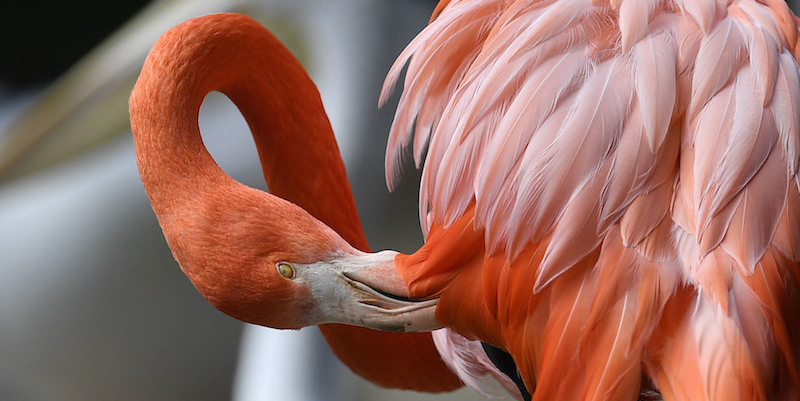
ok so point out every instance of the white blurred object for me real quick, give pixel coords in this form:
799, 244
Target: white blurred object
285, 365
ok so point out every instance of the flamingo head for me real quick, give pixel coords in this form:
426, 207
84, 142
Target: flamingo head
266, 261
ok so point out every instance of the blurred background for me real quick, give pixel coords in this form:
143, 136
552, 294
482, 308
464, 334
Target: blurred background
92, 304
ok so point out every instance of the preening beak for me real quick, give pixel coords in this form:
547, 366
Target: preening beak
364, 289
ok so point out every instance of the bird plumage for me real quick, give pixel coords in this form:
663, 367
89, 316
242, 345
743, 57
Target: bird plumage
609, 191
610, 188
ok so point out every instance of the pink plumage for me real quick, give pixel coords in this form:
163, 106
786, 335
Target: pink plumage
631, 167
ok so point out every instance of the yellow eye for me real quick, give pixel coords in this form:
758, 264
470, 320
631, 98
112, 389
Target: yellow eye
285, 269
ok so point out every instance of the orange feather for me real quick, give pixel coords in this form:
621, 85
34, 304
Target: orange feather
631, 169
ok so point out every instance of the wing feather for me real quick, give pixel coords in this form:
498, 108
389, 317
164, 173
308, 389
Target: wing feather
702, 12
755, 221
731, 157
631, 168
654, 81
787, 234
785, 109
720, 55
764, 62
634, 19
441, 55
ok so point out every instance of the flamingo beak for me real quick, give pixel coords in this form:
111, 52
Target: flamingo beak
381, 276
365, 289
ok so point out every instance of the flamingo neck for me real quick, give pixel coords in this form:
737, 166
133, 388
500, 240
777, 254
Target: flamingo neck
301, 162
295, 142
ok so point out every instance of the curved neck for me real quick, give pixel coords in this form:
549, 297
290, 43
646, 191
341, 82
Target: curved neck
298, 151
236, 56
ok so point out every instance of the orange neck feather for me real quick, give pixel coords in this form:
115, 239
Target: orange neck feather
300, 158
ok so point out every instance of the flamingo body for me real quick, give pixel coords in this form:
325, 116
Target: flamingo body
610, 195
610, 191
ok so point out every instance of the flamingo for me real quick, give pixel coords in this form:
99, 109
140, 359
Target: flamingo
609, 195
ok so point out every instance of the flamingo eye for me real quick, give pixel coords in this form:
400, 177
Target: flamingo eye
285, 269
